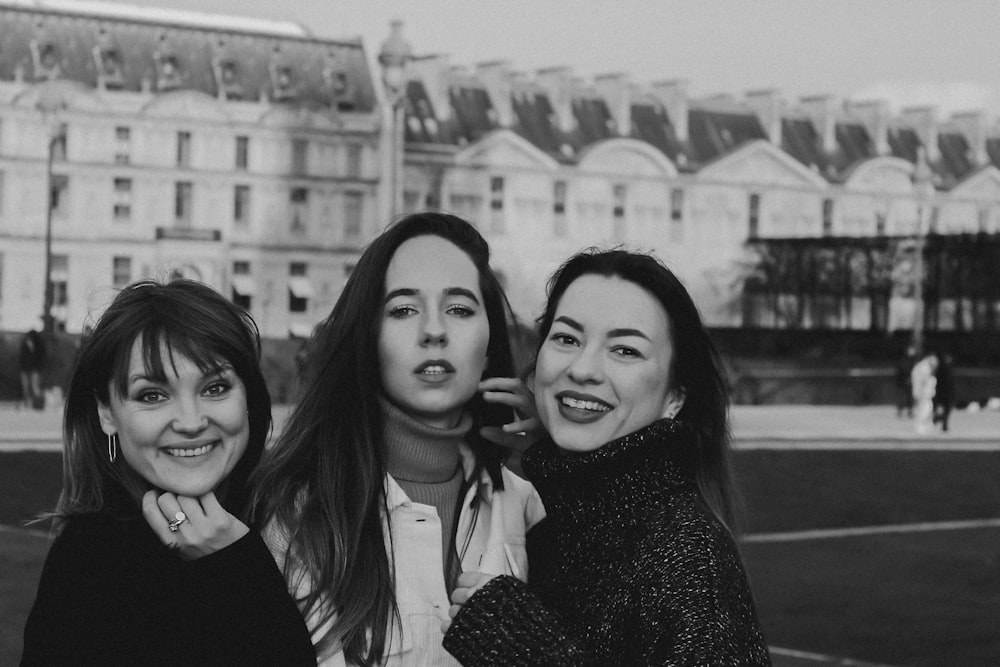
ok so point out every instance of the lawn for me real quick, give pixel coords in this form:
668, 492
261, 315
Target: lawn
919, 598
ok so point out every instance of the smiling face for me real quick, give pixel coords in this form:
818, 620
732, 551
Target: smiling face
183, 433
434, 330
603, 370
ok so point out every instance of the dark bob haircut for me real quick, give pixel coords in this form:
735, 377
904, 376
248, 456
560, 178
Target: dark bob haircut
182, 317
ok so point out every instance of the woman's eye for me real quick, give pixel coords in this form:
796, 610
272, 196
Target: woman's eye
460, 310
149, 396
623, 351
217, 388
400, 312
562, 339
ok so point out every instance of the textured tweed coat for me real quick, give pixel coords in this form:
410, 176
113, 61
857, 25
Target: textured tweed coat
628, 568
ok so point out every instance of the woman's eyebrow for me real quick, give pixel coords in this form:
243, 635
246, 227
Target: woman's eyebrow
570, 322
402, 291
462, 291
615, 333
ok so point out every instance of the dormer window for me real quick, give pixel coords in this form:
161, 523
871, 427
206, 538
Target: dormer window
228, 74
338, 82
108, 59
109, 66
282, 78
283, 87
45, 59
168, 67
227, 70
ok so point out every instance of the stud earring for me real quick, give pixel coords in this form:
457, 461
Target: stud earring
112, 447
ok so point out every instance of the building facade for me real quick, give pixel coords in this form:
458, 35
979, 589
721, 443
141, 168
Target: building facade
245, 154
549, 164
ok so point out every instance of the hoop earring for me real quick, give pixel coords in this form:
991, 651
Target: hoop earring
112, 447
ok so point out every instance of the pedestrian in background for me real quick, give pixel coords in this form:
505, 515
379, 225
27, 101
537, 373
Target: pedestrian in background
944, 391
32, 359
924, 385
904, 386
634, 563
166, 416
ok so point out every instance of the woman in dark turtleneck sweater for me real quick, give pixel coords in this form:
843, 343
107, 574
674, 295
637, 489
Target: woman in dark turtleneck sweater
634, 563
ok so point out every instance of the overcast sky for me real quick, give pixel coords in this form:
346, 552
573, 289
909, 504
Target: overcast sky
942, 52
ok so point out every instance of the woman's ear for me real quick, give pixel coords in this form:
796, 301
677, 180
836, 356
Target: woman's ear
674, 402
108, 423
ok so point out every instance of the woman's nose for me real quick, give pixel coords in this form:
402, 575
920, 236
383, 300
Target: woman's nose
189, 417
433, 331
586, 367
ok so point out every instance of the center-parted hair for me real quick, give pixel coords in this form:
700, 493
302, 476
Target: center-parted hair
323, 483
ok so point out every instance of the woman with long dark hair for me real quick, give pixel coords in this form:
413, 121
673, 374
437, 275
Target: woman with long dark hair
381, 489
634, 563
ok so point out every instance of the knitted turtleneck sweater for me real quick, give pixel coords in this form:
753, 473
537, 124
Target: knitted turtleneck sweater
425, 462
628, 567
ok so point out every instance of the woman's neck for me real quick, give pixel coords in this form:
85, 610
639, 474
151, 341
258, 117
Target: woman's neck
419, 452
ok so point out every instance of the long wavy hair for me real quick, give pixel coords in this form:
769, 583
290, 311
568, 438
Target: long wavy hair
323, 483
180, 317
696, 367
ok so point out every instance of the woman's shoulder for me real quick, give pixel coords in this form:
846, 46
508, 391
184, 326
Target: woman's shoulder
685, 524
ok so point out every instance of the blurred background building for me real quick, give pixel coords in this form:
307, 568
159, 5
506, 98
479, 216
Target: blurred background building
259, 159
239, 152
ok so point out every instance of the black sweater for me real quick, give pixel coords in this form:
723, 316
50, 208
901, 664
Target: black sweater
628, 568
112, 594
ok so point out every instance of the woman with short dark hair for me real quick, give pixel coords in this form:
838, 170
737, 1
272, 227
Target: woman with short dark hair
166, 415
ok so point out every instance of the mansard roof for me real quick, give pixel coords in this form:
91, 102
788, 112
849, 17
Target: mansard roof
650, 123
904, 143
716, 133
140, 54
956, 161
993, 150
800, 139
853, 145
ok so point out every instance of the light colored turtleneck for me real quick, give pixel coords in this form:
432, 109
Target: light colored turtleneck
425, 461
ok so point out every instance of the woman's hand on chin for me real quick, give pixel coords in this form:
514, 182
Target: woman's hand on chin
194, 527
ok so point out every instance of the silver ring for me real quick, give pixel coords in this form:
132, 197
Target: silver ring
178, 519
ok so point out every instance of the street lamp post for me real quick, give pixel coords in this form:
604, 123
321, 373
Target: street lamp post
393, 57
50, 105
923, 186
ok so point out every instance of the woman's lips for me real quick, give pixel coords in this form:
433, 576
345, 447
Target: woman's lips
435, 370
581, 408
190, 452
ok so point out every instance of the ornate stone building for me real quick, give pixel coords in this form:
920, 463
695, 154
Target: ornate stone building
549, 164
239, 152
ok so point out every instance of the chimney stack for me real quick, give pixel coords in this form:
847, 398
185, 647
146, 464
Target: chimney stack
974, 127
617, 93
875, 116
923, 120
496, 77
434, 72
673, 94
559, 85
822, 110
769, 107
